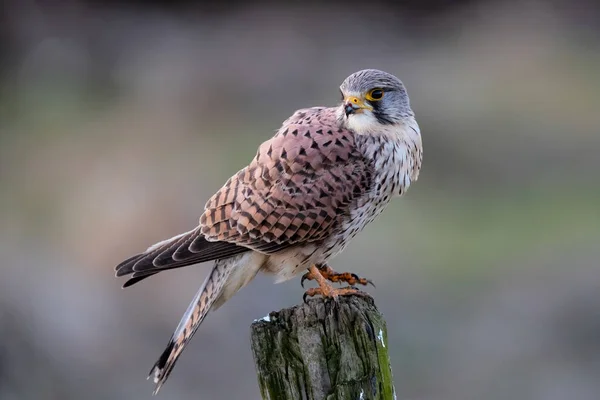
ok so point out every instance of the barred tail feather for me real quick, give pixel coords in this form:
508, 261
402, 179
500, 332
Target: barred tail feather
191, 320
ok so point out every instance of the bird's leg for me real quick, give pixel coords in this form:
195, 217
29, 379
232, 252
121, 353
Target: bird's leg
325, 289
326, 272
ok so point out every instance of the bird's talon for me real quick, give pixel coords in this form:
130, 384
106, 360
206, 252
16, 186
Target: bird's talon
329, 274
349, 278
326, 290
311, 293
304, 277
307, 276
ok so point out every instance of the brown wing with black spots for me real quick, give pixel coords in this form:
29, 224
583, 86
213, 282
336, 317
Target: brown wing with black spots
295, 190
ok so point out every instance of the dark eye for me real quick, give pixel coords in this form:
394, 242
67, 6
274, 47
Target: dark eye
375, 94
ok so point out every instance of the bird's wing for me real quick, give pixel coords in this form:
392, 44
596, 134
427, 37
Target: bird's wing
175, 253
295, 190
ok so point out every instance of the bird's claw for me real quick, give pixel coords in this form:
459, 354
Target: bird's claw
306, 276
311, 293
332, 276
363, 281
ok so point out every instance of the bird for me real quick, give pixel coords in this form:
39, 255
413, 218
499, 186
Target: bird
325, 174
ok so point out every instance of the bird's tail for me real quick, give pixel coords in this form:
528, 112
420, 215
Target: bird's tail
191, 320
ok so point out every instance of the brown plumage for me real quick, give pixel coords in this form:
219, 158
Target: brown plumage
325, 174
294, 189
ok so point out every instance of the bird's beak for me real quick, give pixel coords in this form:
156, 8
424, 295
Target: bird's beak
354, 105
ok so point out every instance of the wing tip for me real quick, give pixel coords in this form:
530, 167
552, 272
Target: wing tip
129, 265
137, 277
124, 266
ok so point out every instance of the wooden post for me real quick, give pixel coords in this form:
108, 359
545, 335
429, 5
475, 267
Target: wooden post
323, 350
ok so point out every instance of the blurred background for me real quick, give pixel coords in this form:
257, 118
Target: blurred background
118, 120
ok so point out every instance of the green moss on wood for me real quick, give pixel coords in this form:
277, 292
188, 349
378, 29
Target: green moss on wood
324, 350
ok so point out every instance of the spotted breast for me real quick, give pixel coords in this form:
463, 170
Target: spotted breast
396, 156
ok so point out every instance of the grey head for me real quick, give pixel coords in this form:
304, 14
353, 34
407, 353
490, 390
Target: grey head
373, 98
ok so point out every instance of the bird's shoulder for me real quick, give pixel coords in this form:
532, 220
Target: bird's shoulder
310, 139
313, 116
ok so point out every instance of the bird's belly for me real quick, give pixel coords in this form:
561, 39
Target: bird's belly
367, 208
289, 262
359, 218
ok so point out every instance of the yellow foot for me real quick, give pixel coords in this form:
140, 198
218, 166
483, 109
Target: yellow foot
329, 274
325, 289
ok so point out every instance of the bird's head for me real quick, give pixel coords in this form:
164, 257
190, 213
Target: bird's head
372, 100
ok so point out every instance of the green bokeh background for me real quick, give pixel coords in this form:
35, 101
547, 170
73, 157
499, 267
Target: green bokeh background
117, 122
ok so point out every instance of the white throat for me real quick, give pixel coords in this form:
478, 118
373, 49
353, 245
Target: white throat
363, 123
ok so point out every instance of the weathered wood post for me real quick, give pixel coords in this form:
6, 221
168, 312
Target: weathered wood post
323, 350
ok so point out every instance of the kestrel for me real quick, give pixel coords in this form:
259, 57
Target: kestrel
311, 188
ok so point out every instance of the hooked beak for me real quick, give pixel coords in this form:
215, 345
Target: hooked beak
354, 105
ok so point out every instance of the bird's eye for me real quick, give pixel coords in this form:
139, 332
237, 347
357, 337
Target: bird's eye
375, 95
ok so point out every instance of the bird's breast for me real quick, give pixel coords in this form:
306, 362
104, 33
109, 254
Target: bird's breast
395, 161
